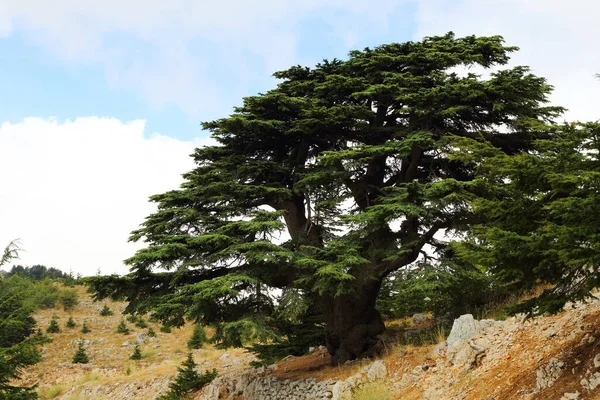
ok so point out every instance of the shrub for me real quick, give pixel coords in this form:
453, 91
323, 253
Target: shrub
80, 356
85, 328
105, 312
54, 392
132, 318
372, 391
165, 329
141, 323
151, 332
137, 353
122, 328
70, 323
198, 338
53, 327
188, 380
69, 299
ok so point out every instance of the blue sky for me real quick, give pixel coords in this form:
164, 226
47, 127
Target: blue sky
39, 82
101, 102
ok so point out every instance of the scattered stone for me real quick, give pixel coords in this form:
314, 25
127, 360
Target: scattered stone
547, 374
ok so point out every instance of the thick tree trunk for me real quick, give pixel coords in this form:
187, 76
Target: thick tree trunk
352, 324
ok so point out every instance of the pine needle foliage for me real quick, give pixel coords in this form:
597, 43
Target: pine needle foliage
53, 327
188, 380
353, 161
80, 356
106, 311
70, 322
137, 353
198, 338
122, 328
85, 328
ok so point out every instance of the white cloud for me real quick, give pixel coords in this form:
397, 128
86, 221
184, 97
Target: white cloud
165, 49
558, 40
73, 190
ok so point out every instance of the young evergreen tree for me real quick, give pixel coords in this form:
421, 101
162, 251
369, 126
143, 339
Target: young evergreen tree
137, 353
53, 327
132, 318
165, 329
198, 338
536, 224
141, 323
70, 322
85, 328
105, 312
122, 328
188, 380
151, 332
18, 344
352, 160
80, 356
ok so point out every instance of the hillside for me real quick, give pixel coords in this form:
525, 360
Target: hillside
553, 357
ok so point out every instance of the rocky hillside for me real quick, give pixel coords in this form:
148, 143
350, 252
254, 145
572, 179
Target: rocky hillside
556, 357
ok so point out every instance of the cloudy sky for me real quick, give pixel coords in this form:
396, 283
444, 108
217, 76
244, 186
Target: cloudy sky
100, 102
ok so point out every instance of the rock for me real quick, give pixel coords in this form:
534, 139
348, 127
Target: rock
419, 318
547, 374
465, 328
440, 349
141, 338
570, 396
597, 361
125, 344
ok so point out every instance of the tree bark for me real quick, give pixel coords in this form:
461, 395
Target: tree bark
352, 323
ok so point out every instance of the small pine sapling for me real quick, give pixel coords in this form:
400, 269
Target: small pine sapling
137, 353
53, 327
151, 332
198, 338
85, 328
70, 323
122, 328
80, 356
188, 380
141, 323
132, 318
105, 312
165, 329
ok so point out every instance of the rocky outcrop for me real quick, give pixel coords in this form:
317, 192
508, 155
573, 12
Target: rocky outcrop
257, 384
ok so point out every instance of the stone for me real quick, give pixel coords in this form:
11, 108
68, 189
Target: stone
597, 361
547, 374
419, 318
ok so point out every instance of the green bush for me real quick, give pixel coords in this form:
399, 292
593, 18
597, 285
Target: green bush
188, 380
105, 312
132, 318
80, 356
69, 299
85, 328
198, 338
151, 332
122, 328
140, 323
70, 323
165, 329
53, 327
137, 353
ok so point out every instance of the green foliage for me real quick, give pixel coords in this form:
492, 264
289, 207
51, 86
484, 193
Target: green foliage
354, 160
137, 353
188, 380
122, 328
38, 272
80, 356
141, 323
151, 332
106, 311
85, 328
447, 288
53, 327
18, 344
536, 225
165, 329
69, 299
132, 318
198, 338
70, 322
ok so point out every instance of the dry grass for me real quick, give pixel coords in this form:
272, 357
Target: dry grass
373, 391
109, 359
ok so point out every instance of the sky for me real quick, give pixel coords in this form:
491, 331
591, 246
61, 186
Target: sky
101, 102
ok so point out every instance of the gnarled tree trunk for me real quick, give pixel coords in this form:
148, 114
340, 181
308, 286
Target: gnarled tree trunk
352, 323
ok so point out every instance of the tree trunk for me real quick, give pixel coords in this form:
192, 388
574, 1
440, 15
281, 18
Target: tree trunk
352, 324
